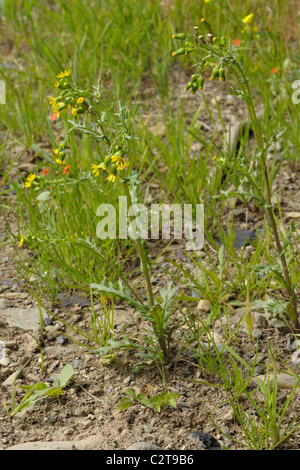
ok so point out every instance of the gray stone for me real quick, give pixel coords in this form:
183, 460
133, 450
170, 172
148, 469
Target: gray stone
4, 303
257, 333
69, 431
27, 318
4, 361
204, 306
8, 382
90, 443
204, 441
260, 319
143, 446
295, 345
296, 357
257, 359
284, 380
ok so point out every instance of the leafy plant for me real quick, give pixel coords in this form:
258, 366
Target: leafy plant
39, 391
156, 403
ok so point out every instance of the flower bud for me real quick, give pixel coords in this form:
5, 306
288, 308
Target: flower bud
80, 111
214, 74
194, 78
194, 88
188, 86
179, 36
189, 50
200, 83
223, 40
180, 51
222, 75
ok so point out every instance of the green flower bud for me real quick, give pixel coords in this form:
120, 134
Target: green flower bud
222, 75
179, 52
80, 111
189, 50
194, 78
194, 88
189, 44
223, 40
200, 83
179, 36
188, 86
214, 74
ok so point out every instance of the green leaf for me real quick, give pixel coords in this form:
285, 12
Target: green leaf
64, 377
131, 393
144, 400
44, 196
124, 403
170, 398
156, 403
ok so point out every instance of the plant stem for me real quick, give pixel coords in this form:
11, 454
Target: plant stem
143, 259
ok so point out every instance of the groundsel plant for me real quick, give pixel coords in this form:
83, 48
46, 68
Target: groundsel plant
109, 130
217, 57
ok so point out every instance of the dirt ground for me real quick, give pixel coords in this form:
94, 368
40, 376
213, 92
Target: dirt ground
89, 404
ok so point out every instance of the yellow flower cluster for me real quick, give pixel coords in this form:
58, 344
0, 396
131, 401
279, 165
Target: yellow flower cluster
118, 164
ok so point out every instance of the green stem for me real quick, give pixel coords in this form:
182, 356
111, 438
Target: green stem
144, 268
142, 256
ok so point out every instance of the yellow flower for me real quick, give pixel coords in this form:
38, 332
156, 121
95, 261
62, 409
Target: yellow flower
21, 241
56, 151
56, 84
74, 111
66, 73
60, 162
248, 19
112, 178
206, 1
80, 100
29, 180
52, 101
119, 162
95, 169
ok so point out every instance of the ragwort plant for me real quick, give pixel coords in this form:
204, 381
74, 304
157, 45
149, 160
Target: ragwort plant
217, 56
108, 127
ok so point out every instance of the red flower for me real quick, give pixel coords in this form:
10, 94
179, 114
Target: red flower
53, 116
236, 42
66, 169
45, 171
275, 70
